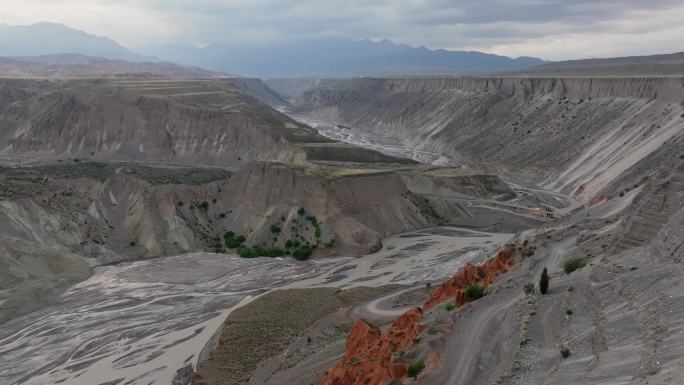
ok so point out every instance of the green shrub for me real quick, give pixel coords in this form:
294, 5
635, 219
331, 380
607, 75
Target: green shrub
544, 282
474, 292
302, 253
415, 369
573, 264
301, 211
450, 306
288, 244
565, 352
275, 229
204, 205
232, 241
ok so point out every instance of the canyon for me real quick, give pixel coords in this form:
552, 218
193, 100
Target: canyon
118, 195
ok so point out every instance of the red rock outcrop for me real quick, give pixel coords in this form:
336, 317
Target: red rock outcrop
369, 355
483, 275
369, 358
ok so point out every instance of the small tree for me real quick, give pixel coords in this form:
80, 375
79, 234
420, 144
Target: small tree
544, 282
415, 369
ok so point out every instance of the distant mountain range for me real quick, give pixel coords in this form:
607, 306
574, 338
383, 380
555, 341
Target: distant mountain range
336, 58
53, 38
81, 66
310, 58
48, 42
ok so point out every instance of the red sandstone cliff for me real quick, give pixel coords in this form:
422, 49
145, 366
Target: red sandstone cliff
369, 358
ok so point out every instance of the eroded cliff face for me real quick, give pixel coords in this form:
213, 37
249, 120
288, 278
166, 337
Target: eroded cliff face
567, 134
199, 123
60, 220
375, 358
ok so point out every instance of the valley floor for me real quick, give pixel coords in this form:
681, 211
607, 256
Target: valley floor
166, 310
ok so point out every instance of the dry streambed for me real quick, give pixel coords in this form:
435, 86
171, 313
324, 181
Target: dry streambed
141, 322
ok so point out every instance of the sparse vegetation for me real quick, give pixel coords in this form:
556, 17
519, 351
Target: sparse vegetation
302, 253
315, 224
574, 264
544, 282
474, 292
529, 288
260, 251
415, 369
565, 352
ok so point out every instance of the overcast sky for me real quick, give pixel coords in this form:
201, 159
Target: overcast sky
550, 29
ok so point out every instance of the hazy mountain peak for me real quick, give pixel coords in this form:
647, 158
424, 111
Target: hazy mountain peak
336, 57
45, 38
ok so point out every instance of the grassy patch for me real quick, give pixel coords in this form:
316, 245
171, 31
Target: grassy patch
265, 327
474, 292
415, 368
573, 264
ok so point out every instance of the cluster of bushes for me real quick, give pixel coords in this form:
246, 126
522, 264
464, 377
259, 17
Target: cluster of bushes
299, 251
302, 253
232, 241
260, 251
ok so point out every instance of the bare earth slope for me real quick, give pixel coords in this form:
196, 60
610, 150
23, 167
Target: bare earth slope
158, 120
567, 133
